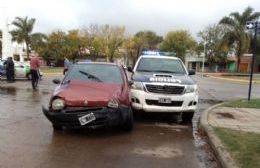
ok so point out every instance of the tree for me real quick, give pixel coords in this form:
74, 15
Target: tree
179, 41
216, 49
56, 46
199, 48
150, 39
38, 41
140, 41
110, 39
23, 32
237, 35
92, 41
73, 44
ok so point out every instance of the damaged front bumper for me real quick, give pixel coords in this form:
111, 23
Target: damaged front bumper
105, 117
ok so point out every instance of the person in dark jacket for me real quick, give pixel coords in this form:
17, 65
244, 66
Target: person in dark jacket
9, 65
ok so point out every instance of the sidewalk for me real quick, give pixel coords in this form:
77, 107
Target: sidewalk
242, 121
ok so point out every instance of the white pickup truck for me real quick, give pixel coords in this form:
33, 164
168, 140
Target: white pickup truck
163, 84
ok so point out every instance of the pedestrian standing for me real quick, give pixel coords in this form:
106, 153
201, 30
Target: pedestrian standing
11, 70
34, 68
66, 65
9, 66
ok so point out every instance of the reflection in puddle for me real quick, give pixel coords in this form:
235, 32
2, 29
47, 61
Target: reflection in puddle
8, 90
161, 152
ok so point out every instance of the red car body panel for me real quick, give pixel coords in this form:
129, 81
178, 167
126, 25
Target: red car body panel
97, 94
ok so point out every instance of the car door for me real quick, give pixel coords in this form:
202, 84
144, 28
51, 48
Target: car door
19, 70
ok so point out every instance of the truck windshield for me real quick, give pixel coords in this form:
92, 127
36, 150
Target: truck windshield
160, 65
95, 73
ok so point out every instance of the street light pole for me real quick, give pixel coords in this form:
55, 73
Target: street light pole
203, 59
253, 60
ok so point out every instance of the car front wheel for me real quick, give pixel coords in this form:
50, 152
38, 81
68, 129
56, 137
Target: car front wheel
187, 116
57, 127
129, 123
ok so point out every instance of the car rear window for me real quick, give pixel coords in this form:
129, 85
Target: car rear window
95, 73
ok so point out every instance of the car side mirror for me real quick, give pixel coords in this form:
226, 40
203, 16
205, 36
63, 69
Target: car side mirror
130, 83
56, 81
192, 72
130, 69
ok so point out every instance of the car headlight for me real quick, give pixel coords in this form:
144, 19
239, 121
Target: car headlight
137, 86
191, 88
112, 104
57, 104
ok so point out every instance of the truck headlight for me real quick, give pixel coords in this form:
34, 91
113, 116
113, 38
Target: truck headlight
57, 104
112, 104
191, 88
137, 86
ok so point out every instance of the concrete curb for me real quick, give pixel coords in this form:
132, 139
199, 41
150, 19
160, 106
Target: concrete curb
222, 154
233, 80
52, 74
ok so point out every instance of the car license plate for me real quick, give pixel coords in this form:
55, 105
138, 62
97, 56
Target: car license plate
87, 119
165, 100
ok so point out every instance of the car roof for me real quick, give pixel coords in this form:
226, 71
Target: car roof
159, 56
100, 63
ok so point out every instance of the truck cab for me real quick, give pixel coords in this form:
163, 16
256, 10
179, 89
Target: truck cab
163, 84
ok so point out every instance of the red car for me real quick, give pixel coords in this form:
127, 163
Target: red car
91, 95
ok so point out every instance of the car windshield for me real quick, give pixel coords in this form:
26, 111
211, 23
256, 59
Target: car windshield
95, 73
160, 65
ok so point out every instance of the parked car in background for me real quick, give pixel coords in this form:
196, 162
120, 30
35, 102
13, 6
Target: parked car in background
22, 70
91, 95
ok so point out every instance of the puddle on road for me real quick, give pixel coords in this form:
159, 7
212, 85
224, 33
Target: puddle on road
160, 152
8, 90
176, 127
225, 115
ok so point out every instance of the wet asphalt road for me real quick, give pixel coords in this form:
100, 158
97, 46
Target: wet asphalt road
28, 140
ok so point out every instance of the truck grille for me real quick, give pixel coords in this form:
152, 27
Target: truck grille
165, 89
156, 103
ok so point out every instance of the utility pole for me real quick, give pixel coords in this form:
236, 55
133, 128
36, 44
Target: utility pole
252, 26
203, 59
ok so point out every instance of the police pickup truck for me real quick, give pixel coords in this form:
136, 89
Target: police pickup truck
163, 84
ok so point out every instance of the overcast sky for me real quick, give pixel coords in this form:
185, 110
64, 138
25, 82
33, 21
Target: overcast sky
160, 16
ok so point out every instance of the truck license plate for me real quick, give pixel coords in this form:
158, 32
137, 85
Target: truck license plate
87, 119
165, 100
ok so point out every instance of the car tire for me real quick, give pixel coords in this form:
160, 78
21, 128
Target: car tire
129, 123
57, 127
29, 76
187, 116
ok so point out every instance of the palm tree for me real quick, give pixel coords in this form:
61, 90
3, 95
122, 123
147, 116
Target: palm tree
23, 32
237, 35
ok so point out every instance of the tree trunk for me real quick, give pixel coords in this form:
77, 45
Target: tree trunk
27, 50
238, 63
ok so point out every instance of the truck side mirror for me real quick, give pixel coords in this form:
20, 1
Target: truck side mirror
192, 72
130, 69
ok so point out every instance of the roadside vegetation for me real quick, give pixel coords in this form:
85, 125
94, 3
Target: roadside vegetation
243, 146
51, 70
254, 103
111, 42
